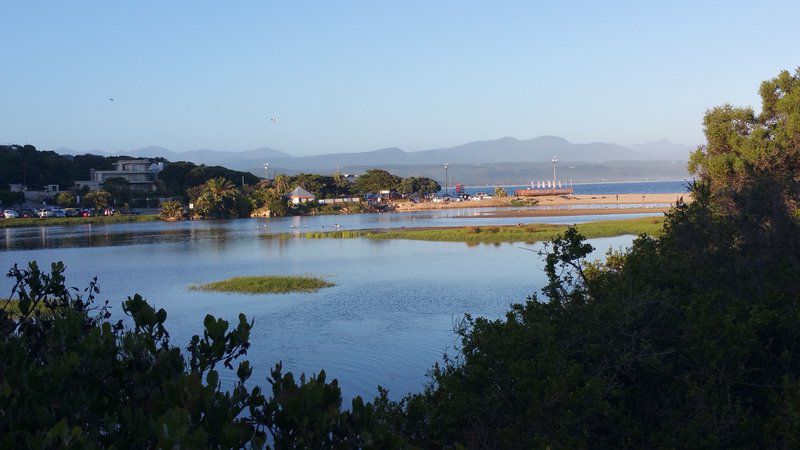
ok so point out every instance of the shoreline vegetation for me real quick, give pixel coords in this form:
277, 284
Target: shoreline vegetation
271, 284
63, 221
492, 234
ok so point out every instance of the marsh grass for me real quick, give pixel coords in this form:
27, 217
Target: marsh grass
506, 233
62, 221
273, 284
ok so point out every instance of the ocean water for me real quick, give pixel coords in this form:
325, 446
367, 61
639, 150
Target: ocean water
639, 187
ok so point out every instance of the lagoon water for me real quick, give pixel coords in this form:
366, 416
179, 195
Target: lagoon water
389, 318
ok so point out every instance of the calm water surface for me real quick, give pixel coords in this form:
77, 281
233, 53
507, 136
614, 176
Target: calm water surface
389, 318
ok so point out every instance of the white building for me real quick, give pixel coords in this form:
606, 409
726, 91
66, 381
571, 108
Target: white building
300, 195
140, 173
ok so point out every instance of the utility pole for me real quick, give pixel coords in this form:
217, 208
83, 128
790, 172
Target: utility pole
446, 181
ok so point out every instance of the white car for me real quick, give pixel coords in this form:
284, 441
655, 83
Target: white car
10, 214
45, 213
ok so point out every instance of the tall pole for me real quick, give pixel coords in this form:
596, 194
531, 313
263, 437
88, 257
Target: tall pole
555, 160
446, 181
266, 170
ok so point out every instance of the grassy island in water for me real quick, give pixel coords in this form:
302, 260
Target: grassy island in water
505, 233
276, 284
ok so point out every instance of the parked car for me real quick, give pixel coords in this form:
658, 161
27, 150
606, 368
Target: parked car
71, 212
58, 212
27, 213
45, 213
10, 214
87, 213
129, 211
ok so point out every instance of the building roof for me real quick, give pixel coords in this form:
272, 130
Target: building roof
299, 192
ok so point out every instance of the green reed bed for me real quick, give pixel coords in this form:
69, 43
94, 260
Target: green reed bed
507, 233
62, 221
273, 284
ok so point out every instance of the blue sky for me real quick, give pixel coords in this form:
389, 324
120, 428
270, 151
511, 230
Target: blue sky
354, 76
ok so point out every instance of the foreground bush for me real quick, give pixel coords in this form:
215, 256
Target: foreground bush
69, 377
688, 340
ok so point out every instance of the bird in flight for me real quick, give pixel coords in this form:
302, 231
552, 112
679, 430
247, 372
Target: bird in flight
111, 99
273, 119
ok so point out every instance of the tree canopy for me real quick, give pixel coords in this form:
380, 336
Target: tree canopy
219, 198
27, 165
745, 148
179, 177
418, 186
376, 180
684, 340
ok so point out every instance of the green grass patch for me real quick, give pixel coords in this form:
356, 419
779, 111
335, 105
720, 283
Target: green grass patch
506, 233
277, 284
62, 221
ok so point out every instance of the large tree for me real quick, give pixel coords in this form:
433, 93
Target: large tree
180, 176
419, 186
744, 148
376, 180
96, 199
119, 188
688, 339
219, 198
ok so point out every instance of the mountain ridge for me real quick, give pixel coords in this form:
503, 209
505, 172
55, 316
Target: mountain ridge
506, 149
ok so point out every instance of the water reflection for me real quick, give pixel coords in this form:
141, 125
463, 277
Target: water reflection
225, 231
389, 317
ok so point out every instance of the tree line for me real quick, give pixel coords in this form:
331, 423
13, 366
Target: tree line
233, 193
220, 197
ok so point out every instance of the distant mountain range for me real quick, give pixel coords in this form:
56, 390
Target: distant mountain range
493, 152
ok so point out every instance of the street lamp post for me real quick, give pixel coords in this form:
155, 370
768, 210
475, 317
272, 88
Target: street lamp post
446, 181
555, 160
266, 170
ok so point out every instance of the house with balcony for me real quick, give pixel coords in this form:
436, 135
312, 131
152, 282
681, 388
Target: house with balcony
140, 173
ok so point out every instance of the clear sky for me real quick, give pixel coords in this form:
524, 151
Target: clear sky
355, 76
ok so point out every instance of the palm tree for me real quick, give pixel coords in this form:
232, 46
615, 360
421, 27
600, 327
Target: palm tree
281, 184
216, 198
171, 210
219, 189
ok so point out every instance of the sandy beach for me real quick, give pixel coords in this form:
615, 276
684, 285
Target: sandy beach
635, 202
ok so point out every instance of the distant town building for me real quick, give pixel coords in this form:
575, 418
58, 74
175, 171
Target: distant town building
140, 173
300, 195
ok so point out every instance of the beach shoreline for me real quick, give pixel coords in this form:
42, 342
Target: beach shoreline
554, 200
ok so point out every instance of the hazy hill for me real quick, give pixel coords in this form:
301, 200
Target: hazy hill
491, 154
664, 149
521, 173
